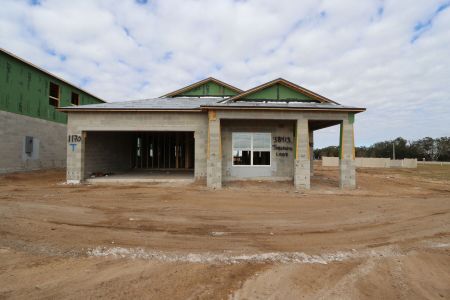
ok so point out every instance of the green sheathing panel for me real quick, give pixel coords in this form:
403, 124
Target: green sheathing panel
25, 90
286, 93
269, 93
211, 89
277, 92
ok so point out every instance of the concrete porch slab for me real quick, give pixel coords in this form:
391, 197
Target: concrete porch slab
146, 176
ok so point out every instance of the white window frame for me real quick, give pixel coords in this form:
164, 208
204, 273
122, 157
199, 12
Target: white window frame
251, 149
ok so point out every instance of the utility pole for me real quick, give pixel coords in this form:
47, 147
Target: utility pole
393, 150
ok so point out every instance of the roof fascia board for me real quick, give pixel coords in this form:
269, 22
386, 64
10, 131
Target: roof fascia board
356, 109
205, 108
76, 110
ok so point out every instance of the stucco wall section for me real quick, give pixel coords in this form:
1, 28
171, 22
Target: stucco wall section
49, 143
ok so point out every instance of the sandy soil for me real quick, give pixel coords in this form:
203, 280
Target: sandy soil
388, 239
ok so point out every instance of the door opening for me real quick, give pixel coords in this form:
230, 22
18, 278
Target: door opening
163, 150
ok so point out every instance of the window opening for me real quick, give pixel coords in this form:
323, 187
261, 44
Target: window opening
251, 149
75, 99
53, 98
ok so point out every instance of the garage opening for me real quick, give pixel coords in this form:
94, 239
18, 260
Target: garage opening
164, 150
148, 156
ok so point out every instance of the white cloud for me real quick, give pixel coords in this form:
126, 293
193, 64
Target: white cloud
357, 52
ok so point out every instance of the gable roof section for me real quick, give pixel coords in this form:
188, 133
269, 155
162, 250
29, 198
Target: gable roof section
209, 87
279, 90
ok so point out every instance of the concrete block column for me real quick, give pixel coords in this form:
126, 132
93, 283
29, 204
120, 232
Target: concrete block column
302, 164
76, 142
200, 155
311, 151
347, 155
214, 152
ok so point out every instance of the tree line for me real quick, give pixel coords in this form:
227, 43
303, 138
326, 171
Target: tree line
429, 149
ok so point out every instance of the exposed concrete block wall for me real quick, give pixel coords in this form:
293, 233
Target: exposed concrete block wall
281, 167
347, 161
311, 151
80, 122
214, 152
372, 162
397, 163
49, 143
107, 152
302, 162
302, 169
280, 115
207, 130
328, 161
409, 163
440, 163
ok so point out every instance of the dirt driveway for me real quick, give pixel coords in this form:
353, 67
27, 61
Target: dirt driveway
388, 239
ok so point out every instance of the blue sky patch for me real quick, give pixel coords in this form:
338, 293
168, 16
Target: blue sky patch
422, 26
35, 2
380, 11
85, 81
443, 7
50, 51
127, 31
168, 56
320, 17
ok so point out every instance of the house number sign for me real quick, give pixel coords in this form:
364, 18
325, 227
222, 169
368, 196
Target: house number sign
282, 145
73, 140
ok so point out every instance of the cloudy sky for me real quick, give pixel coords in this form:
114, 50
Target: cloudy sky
392, 57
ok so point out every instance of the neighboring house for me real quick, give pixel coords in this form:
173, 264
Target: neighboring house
32, 130
211, 130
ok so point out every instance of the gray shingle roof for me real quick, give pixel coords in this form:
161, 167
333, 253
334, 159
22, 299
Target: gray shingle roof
187, 103
148, 104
